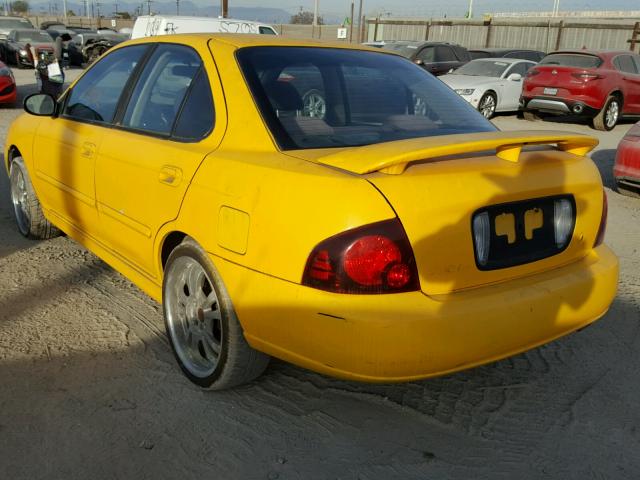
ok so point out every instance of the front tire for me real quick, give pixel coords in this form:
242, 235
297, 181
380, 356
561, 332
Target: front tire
487, 105
608, 117
203, 329
26, 206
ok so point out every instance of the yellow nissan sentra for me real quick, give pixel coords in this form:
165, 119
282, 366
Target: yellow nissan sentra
333, 206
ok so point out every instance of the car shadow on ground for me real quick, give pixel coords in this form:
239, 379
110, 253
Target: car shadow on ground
604, 160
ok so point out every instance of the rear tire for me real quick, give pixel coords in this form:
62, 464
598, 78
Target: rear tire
205, 335
608, 117
26, 206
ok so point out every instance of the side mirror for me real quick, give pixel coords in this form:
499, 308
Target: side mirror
514, 77
417, 61
40, 104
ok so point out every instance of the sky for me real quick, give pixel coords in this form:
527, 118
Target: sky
438, 8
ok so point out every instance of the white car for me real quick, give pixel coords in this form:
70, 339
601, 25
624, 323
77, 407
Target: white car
490, 84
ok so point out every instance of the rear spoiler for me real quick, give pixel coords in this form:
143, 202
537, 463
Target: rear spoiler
394, 157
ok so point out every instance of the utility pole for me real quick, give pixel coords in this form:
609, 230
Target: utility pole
115, 13
177, 7
64, 7
351, 24
149, 7
315, 13
470, 11
225, 8
360, 22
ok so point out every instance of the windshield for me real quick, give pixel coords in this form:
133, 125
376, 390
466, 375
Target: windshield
572, 60
13, 23
404, 49
483, 68
325, 97
34, 36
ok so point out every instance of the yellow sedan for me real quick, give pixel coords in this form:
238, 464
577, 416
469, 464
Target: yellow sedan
333, 206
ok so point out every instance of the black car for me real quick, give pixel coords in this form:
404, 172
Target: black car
15, 46
435, 57
533, 55
7, 24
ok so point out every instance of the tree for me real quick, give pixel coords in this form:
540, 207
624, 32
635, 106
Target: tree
71, 13
20, 6
304, 17
124, 15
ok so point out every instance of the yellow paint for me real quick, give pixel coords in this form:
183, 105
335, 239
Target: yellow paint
233, 229
533, 220
506, 226
259, 212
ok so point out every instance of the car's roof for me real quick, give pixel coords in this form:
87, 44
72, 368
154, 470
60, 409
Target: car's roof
501, 60
240, 40
502, 50
598, 53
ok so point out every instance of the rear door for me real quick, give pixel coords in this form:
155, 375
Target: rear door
145, 167
627, 67
513, 88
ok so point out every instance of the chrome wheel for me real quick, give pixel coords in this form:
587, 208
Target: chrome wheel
193, 316
20, 199
314, 104
487, 105
612, 114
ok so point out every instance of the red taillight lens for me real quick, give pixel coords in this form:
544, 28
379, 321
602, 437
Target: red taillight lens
603, 221
586, 76
532, 72
376, 258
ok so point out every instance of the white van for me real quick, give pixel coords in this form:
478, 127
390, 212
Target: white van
152, 25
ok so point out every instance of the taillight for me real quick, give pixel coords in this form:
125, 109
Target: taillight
603, 221
375, 258
586, 76
532, 72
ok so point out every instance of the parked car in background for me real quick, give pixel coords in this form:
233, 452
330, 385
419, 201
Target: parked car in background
8, 90
435, 57
490, 85
533, 55
17, 44
7, 24
152, 25
626, 169
181, 171
86, 47
600, 85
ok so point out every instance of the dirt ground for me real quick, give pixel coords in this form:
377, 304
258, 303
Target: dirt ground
89, 389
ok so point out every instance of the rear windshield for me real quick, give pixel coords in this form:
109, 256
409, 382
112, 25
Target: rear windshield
325, 97
478, 54
404, 49
572, 60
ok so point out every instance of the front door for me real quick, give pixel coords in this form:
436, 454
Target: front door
66, 151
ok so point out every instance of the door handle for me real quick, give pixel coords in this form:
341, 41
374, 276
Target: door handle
88, 150
170, 175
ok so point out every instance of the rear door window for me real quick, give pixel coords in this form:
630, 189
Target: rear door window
96, 95
161, 89
445, 54
625, 63
427, 55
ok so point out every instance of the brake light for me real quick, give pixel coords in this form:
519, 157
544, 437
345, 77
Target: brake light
586, 76
603, 221
372, 259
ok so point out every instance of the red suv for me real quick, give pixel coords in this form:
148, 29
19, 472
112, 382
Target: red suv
595, 84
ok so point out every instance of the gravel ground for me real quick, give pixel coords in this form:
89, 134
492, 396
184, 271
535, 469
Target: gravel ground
90, 389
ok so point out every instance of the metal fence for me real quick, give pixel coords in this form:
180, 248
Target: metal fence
538, 34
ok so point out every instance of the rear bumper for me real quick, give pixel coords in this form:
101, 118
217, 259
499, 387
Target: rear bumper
560, 106
627, 164
8, 92
411, 336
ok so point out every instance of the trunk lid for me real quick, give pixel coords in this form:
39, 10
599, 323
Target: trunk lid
436, 184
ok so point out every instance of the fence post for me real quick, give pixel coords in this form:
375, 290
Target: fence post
375, 30
634, 37
559, 37
426, 33
361, 29
487, 40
